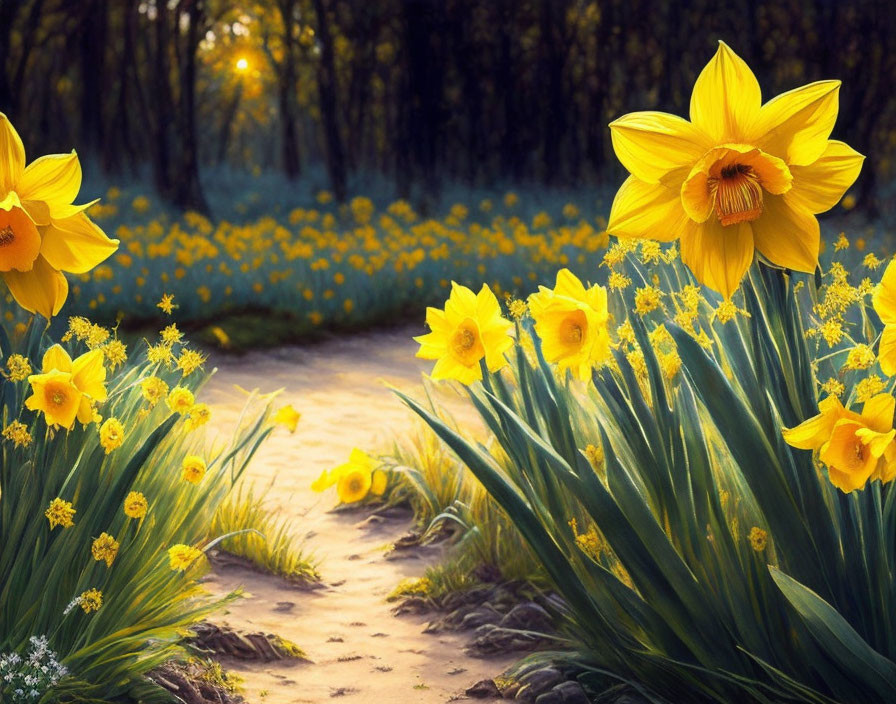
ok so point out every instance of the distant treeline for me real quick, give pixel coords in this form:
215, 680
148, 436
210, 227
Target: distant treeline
422, 91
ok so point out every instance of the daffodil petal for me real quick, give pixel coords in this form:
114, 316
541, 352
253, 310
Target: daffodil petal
42, 290
726, 98
886, 353
811, 433
884, 297
878, 412
718, 256
12, 155
786, 235
820, 185
19, 240
642, 209
54, 179
76, 244
89, 374
795, 125
651, 145
56, 358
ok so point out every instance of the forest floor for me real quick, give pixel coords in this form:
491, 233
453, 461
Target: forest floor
357, 650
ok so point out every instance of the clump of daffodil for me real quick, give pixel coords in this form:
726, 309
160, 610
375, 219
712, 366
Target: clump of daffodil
469, 329
354, 479
740, 176
67, 389
572, 324
884, 302
856, 447
193, 469
41, 232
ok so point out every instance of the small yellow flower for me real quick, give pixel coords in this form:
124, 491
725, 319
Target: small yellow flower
618, 281
194, 469
200, 414
517, 308
91, 600
189, 361
19, 368
18, 434
758, 538
171, 335
105, 548
115, 352
469, 329
167, 303
647, 299
288, 417
153, 389
871, 261
180, 557
868, 387
159, 354
135, 505
841, 243
834, 387
111, 434
60, 513
860, 357
180, 400
727, 311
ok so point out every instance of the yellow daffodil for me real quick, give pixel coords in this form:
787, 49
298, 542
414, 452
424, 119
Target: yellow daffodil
884, 301
193, 469
740, 176
471, 328
572, 324
41, 232
353, 479
354, 484
67, 389
135, 505
856, 447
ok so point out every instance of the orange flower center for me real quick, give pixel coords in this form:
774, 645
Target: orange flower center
466, 344
58, 398
19, 240
6, 236
736, 194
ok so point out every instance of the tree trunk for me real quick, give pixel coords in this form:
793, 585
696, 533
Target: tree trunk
326, 86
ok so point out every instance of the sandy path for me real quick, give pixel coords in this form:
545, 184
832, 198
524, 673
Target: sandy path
360, 652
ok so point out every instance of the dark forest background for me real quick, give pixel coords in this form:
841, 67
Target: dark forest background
422, 92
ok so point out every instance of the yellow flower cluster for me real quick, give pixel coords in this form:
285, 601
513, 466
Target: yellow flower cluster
354, 480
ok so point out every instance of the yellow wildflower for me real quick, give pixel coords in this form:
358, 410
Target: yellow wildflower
91, 600
18, 367
841, 243
105, 548
180, 557
115, 352
17, 433
193, 469
868, 387
618, 281
189, 361
159, 354
758, 538
180, 400
647, 299
153, 389
860, 357
833, 387
135, 505
170, 334
111, 434
200, 414
167, 303
60, 513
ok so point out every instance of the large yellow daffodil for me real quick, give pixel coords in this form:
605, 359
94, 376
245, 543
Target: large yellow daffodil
740, 176
41, 232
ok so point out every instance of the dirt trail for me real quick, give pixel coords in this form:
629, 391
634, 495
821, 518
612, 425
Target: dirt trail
360, 652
